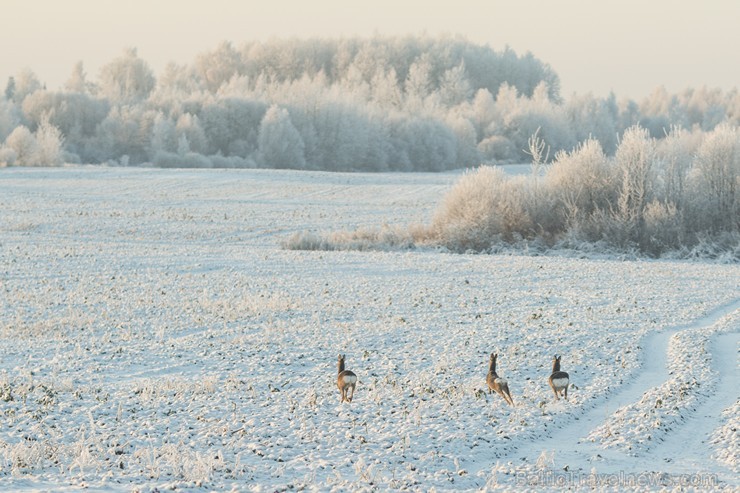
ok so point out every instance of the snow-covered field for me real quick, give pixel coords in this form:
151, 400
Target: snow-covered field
154, 335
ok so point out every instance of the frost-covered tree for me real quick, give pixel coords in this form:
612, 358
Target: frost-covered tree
164, 136
385, 90
77, 81
482, 113
231, 126
674, 159
176, 83
454, 87
9, 118
24, 146
188, 126
582, 185
124, 135
25, 82
76, 115
418, 83
523, 117
594, 118
10, 88
634, 160
466, 142
431, 145
127, 79
216, 67
341, 136
716, 180
49, 144
401, 103
44, 148
280, 144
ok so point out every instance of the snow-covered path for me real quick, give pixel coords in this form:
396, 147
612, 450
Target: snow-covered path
692, 439
571, 456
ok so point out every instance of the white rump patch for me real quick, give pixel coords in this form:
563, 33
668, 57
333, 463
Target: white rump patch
500, 381
350, 379
560, 382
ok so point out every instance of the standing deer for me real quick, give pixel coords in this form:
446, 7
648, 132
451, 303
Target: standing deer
346, 380
500, 385
559, 379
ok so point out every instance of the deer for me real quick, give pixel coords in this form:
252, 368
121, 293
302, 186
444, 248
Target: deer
346, 380
558, 380
496, 383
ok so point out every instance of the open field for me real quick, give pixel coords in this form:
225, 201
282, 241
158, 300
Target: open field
153, 334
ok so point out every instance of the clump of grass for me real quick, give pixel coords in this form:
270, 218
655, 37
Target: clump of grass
384, 238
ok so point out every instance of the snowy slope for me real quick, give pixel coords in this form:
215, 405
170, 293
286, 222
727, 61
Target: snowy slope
153, 334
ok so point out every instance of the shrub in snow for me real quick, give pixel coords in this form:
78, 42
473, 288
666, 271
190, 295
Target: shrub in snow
23, 144
384, 238
8, 156
484, 205
44, 148
582, 186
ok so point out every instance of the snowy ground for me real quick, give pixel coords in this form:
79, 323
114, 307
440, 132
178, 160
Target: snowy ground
154, 335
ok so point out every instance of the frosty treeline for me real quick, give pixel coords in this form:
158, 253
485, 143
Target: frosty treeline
678, 196
406, 104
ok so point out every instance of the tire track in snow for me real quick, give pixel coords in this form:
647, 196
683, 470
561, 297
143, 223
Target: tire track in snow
694, 435
567, 449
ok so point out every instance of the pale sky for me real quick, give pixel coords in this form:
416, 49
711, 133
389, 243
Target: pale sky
628, 46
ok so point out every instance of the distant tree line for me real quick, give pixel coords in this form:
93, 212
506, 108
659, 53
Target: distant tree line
377, 104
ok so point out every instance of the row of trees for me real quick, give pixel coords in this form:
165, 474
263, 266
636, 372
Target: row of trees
678, 196
409, 104
652, 196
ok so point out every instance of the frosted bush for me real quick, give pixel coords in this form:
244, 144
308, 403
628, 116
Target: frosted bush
23, 144
8, 156
383, 238
483, 205
581, 185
